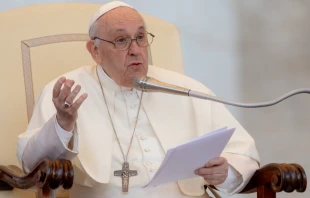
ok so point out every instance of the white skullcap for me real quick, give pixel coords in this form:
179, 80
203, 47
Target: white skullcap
106, 8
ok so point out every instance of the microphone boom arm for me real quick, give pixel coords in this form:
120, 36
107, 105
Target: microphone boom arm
148, 84
248, 105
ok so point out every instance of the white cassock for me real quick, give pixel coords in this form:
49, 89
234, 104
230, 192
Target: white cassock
165, 121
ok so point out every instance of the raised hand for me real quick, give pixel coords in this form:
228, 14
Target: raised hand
63, 100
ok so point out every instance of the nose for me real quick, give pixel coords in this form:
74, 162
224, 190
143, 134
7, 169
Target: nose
134, 48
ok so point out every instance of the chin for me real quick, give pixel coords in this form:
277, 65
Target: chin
129, 81
138, 73
134, 73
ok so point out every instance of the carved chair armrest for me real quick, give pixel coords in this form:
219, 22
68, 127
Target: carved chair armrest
273, 178
47, 175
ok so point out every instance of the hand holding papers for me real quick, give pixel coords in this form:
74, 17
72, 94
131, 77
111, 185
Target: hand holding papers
181, 161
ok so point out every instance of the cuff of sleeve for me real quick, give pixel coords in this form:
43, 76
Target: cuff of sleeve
46, 143
242, 169
233, 180
65, 136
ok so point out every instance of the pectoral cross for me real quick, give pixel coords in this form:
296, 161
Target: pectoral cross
125, 173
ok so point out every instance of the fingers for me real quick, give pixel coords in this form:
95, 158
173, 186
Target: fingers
57, 87
79, 101
213, 176
215, 179
62, 94
215, 171
214, 166
73, 94
216, 162
209, 171
66, 90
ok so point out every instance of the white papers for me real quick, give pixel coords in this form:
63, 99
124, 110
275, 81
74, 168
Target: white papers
181, 161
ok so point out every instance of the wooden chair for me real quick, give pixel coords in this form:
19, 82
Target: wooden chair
51, 174
41, 42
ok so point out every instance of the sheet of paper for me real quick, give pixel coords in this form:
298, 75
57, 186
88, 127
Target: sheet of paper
180, 162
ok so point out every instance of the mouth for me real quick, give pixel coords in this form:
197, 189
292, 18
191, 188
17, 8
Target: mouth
135, 65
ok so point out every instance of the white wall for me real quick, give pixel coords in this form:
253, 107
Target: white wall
274, 54
244, 51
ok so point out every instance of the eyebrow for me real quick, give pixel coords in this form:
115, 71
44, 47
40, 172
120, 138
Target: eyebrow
123, 30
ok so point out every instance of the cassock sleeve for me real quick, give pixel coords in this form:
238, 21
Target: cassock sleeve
240, 151
241, 169
66, 136
42, 139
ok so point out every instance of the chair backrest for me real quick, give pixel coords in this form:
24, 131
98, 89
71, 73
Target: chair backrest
40, 42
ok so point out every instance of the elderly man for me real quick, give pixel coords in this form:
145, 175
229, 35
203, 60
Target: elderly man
94, 117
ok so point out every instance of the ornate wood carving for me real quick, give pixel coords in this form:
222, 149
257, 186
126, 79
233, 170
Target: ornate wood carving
51, 174
47, 175
273, 178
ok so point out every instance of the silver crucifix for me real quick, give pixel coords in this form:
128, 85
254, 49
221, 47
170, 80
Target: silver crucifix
125, 173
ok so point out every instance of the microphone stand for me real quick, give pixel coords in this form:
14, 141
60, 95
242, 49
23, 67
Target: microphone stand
148, 84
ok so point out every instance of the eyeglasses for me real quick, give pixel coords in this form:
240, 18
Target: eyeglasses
123, 43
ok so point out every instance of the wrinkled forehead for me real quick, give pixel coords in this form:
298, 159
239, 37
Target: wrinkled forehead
122, 19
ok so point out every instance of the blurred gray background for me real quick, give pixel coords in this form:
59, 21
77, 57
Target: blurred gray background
246, 51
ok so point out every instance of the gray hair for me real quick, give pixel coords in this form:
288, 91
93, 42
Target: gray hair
93, 32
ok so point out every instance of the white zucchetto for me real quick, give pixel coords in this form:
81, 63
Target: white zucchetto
106, 8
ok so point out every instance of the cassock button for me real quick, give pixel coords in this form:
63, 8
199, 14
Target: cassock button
143, 138
132, 106
152, 170
147, 150
148, 163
